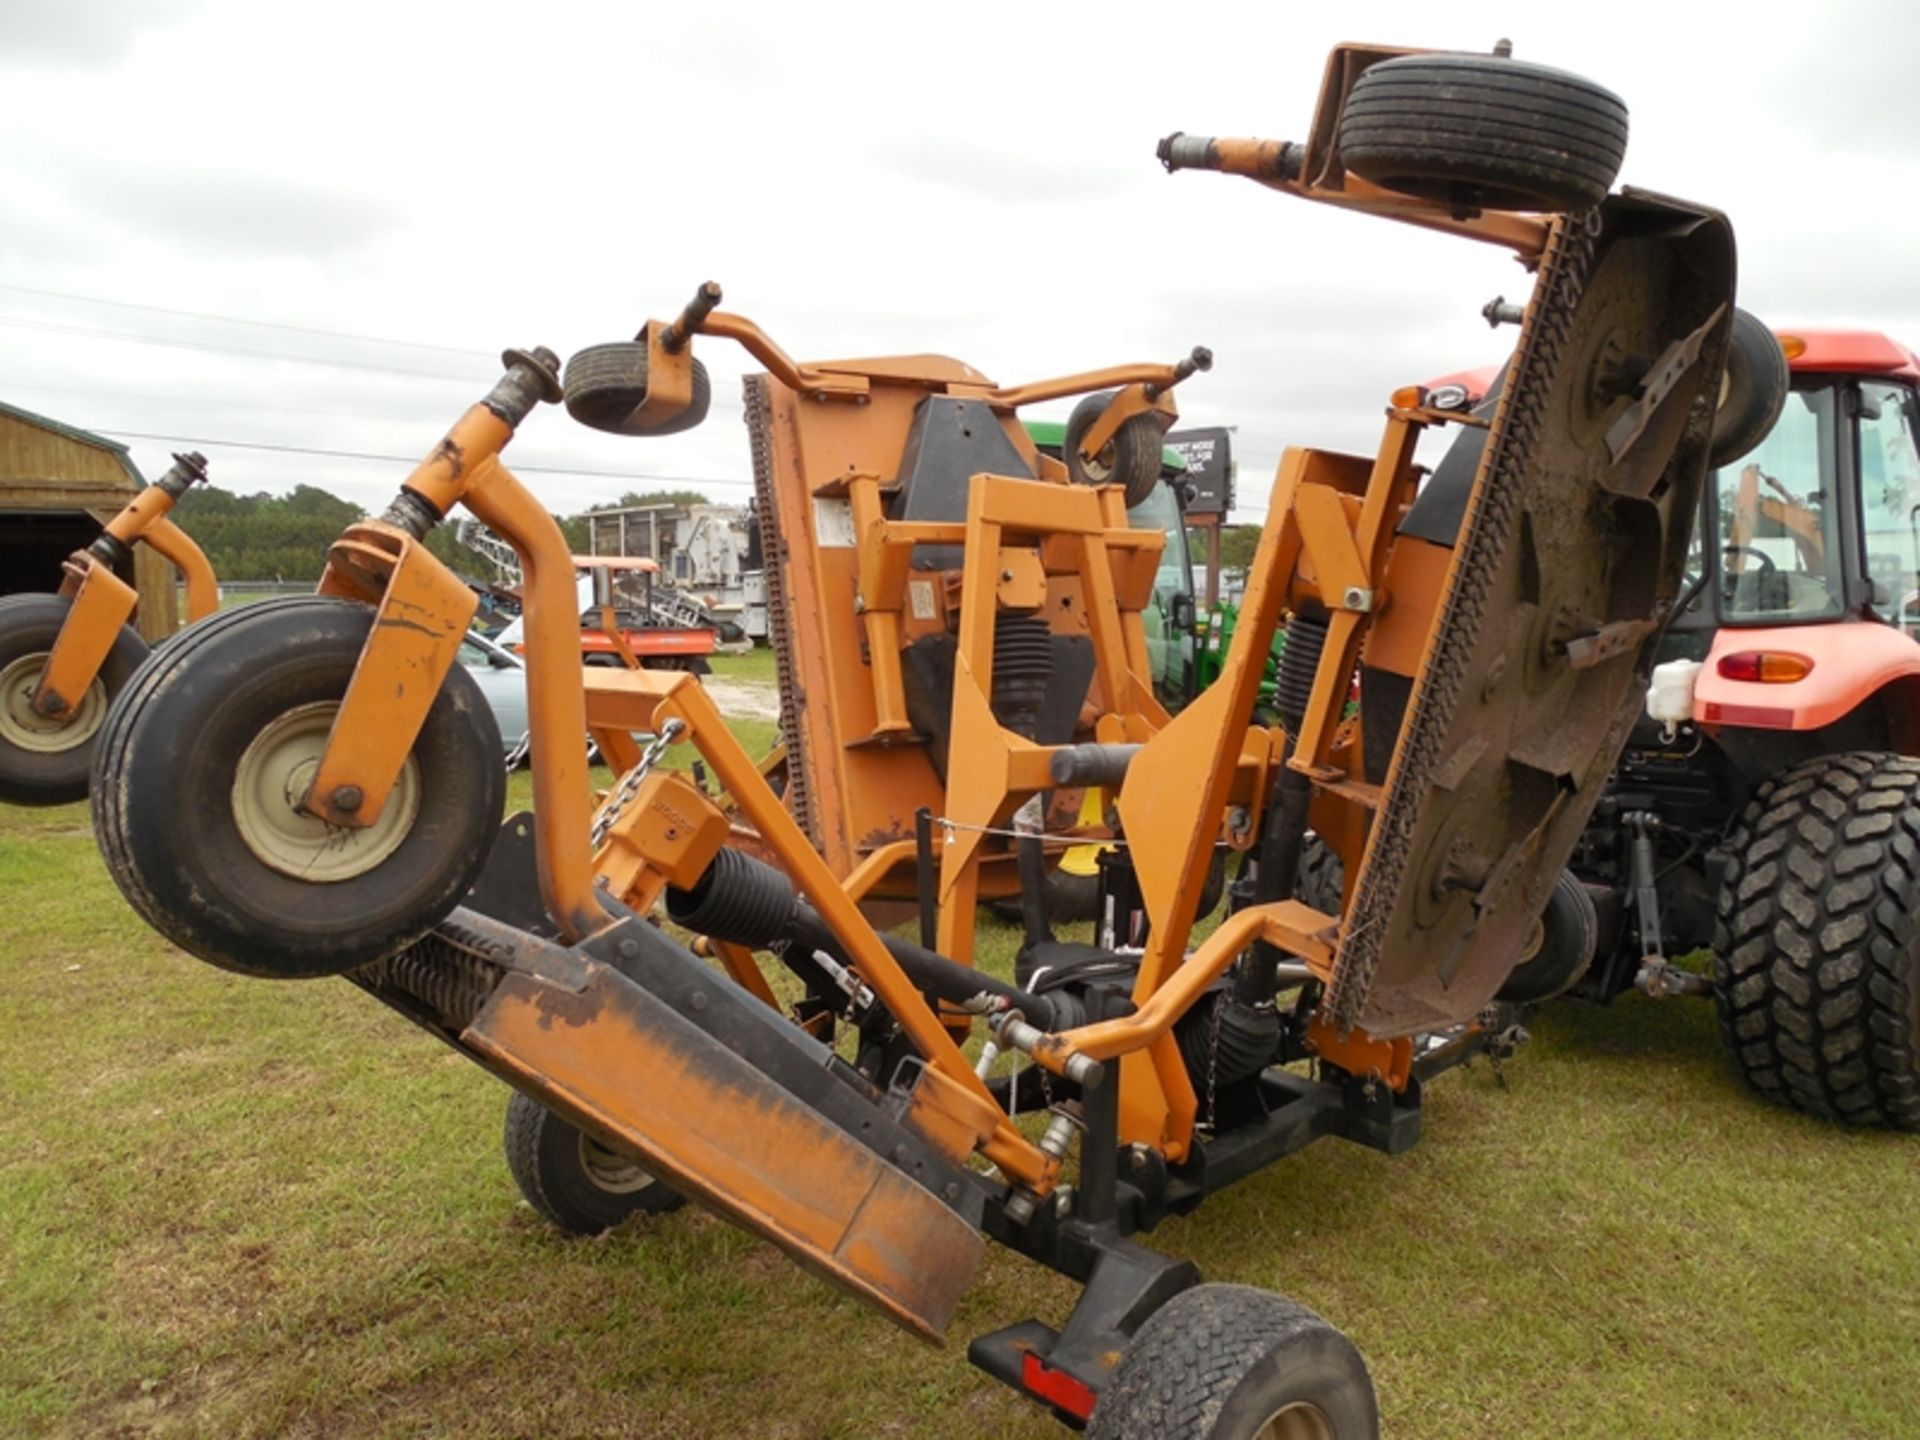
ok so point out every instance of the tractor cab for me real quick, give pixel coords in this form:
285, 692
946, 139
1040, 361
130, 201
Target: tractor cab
1820, 524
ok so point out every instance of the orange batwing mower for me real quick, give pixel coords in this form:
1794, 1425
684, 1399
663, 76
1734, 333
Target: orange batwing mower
64, 657
310, 787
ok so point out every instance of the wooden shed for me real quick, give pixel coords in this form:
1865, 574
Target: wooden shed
58, 486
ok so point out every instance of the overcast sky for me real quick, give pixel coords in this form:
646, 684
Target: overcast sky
977, 180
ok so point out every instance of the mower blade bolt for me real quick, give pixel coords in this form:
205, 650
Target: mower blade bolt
348, 798
1498, 312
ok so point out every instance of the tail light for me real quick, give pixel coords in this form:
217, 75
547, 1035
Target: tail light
1765, 667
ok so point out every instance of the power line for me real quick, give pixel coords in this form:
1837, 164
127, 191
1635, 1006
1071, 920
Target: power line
213, 347
408, 460
8, 384
238, 320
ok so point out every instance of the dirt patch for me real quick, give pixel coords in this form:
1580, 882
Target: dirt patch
743, 699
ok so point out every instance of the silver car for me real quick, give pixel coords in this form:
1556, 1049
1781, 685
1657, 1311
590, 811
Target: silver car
502, 678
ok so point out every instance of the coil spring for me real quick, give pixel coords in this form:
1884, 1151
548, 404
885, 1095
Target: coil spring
1293, 687
452, 981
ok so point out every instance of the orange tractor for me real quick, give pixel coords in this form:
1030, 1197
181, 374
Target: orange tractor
64, 657
310, 787
1770, 808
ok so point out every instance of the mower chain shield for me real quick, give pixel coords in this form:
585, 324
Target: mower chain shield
1566, 565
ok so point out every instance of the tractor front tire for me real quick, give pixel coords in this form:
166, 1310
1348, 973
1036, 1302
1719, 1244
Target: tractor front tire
1228, 1362
570, 1179
1484, 132
43, 761
201, 764
1817, 941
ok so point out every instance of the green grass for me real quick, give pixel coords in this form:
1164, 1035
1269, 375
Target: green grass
236, 1208
755, 665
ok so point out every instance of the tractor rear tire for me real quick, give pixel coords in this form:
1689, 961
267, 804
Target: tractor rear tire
606, 384
193, 788
1817, 942
43, 762
1753, 392
571, 1180
1131, 459
1228, 1362
1482, 132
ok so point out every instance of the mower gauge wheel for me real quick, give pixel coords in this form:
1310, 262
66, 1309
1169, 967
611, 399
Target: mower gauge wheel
201, 765
1565, 938
1228, 1362
1753, 391
605, 386
1131, 459
573, 1181
1484, 132
46, 760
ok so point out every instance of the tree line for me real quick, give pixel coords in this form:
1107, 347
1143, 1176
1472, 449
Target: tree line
285, 537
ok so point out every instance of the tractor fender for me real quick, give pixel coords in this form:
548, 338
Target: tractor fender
1851, 659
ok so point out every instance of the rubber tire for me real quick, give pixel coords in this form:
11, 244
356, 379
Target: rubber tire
1817, 944
1567, 946
605, 385
1215, 1362
1321, 881
31, 623
165, 767
1130, 460
1479, 132
1756, 391
543, 1155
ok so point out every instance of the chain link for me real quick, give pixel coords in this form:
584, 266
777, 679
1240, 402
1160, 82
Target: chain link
1213, 1062
630, 782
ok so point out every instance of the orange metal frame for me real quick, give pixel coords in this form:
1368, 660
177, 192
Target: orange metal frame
1329, 540
103, 602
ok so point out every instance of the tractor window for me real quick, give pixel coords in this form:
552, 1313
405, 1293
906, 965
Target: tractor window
1168, 618
1890, 501
1779, 556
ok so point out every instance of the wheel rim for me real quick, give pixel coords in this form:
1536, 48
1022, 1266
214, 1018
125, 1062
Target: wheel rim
269, 781
611, 1171
1536, 937
24, 728
1100, 468
1301, 1420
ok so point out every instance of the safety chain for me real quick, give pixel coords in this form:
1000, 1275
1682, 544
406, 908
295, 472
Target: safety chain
519, 751
1213, 1063
630, 782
